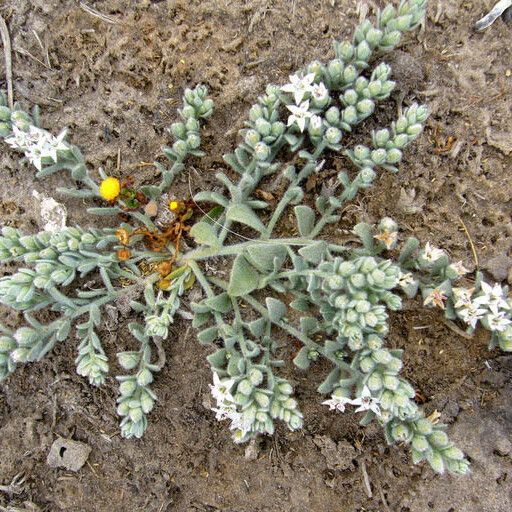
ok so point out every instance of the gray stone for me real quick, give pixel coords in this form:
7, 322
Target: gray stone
499, 267
69, 454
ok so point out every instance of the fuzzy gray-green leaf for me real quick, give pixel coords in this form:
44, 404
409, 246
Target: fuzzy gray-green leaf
244, 277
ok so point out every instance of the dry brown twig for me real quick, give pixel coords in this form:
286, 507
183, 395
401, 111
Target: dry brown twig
6, 39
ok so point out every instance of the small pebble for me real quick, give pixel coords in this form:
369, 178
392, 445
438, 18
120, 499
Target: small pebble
69, 454
151, 209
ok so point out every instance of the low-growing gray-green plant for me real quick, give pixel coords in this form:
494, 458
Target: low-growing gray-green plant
341, 293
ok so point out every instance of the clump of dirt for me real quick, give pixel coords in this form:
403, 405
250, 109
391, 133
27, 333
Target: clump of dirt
115, 81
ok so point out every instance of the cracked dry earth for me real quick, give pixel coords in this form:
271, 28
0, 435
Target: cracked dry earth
116, 85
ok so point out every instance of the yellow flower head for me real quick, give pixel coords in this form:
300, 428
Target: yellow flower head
110, 188
173, 205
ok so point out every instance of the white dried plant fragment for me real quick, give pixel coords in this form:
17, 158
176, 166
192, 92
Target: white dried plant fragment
53, 214
493, 14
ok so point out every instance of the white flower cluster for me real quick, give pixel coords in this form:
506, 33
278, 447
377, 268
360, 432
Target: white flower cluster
226, 407
365, 401
491, 306
39, 146
301, 87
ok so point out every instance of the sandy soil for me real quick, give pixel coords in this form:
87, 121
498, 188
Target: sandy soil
116, 86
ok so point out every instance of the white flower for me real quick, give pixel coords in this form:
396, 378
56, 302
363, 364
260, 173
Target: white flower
406, 279
431, 253
315, 123
459, 268
436, 297
224, 413
498, 321
337, 403
299, 114
319, 92
493, 298
299, 87
37, 144
470, 314
19, 139
221, 389
367, 402
462, 297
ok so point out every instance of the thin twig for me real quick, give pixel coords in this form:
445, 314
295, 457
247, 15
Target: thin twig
457, 329
383, 498
98, 14
366, 480
475, 256
6, 39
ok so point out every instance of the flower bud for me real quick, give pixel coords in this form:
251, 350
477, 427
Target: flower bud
373, 37
391, 382
360, 85
366, 107
144, 377
438, 439
423, 426
245, 387
350, 97
315, 126
400, 433
381, 137
278, 128
349, 74
180, 147
128, 387
394, 156
261, 151
262, 400
363, 51
333, 115
20, 355
346, 268
255, 113
188, 111
349, 115
414, 130
193, 140
453, 453
346, 50
374, 382
367, 175
255, 376
420, 443
358, 280
263, 127
178, 130
367, 265
367, 364
252, 137
335, 282
390, 39
335, 69
316, 68
332, 135
192, 125
285, 388
378, 156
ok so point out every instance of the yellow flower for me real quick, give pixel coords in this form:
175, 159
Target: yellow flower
110, 188
173, 205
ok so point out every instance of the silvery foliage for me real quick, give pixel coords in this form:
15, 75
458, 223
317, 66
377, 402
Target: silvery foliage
87, 259
342, 294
